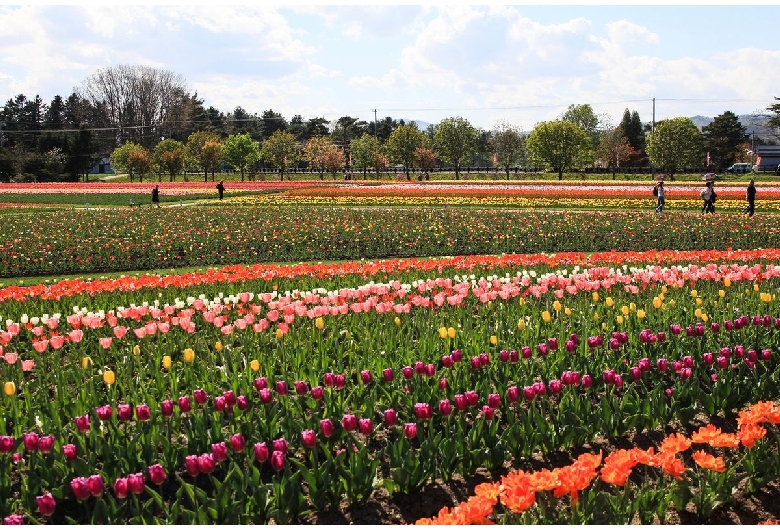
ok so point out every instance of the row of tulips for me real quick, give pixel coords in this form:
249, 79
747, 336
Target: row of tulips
80, 241
636, 483
348, 401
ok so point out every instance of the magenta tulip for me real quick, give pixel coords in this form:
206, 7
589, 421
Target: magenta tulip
261, 451
410, 430
445, 407
280, 444
391, 418
388, 375
184, 404
82, 423
46, 503
69, 451
309, 438
219, 451
512, 394
120, 488
237, 442
136, 483
277, 460
365, 426
206, 462
349, 422
80, 487
191, 463
265, 396
157, 474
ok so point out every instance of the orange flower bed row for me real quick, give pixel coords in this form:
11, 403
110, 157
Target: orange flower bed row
237, 273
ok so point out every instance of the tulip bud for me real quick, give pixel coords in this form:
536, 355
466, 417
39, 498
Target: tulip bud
587, 381
46, 503
120, 488
349, 422
277, 460
80, 487
555, 387
219, 451
407, 372
387, 375
261, 451
309, 438
391, 418
327, 428
206, 463
410, 430
30, 440
488, 413
191, 463
445, 407
184, 404
157, 474
265, 395
242, 402
526, 352
69, 451
237, 442
494, 401
142, 412
317, 393
457, 355
82, 423
529, 393
365, 377
45, 443
365, 426
200, 396
512, 394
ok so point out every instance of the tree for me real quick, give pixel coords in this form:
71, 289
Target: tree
425, 159
211, 157
586, 119
120, 158
241, 151
774, 121
380, 163
136, 100
722, 138
613, 149
560, 144
169, 155
455, 139
402, 143
364, 150
272, 122
345, 130
334, 159
243, 122
674, 144
280, 150
509, 146
195, 153
383, 129
315, 150
139, 160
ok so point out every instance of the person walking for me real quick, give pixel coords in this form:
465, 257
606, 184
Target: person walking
750, 195
661, 193
156, 195
220, 189
706, 196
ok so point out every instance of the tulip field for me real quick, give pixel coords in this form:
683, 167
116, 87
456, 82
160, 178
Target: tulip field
601, 366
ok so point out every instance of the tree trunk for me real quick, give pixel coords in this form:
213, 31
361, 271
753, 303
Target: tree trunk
560, 174
242, 174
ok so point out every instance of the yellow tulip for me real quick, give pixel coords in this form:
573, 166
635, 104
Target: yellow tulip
397, 321
609, 301
557, 305
595, 296
319, 323
279, 333
136, 350
766, 297
595, 316
442, 332
189, 355
254, 365
451, 333
521, 301
108, 377
619, 319
493, 340
604, 326
722, 293
546, 316
640, 313
490, 304
86, 362
727, 282
694, 293
697, 312
672, 303
755, 287
624, 310
699, 301
9, 388
656, 302
632, 306
521, 324
705, 317
218, 346
167, 362
567, 312
663, 289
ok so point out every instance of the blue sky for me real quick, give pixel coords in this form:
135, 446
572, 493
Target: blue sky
487, 63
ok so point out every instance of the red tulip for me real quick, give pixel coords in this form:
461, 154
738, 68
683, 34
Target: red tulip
157, 474
365, 377
261, 451
365, 426
120, 488
219, 451
69, 451
82, 423
237, 442
136, 482
387, 375
326, 427
494, 401
410, 430
191, 463
309, 438
80, 487
277, 460
206, 462
46, 503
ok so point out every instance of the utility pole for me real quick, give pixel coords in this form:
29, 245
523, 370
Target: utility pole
652, 128
2, 124
376, 133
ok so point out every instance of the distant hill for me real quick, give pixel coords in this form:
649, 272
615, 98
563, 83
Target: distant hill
751, 122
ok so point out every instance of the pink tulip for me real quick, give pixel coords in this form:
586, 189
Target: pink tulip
261, 383
14, 519
391, 417
265, 396
69, 451
166, 408
277, 460
219, 451
80, 487
460, 402
10, 357
301, 387
200, 396
457, 355
410, 430
237, 442
512, 394
40, 345
280, 444
309, 438
142, 412
124, 412
407, 372
191, 463
281, 388
184, 404
317, 393
327, 428
45, 443
388, 375
82, 423
349, 422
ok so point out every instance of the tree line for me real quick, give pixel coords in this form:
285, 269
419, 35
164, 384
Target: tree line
149, 123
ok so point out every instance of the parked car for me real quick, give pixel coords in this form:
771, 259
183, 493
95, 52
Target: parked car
739, 168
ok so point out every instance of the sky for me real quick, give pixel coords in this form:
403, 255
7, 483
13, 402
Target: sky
488, 63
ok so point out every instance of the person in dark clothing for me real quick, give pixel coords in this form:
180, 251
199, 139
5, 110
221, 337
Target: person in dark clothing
156, 195
220, 189
751, 198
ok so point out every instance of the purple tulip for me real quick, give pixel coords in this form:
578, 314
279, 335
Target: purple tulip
460, 402
529, 393
281, 388
587, 381
265, 396
46, 503
45, 443
104, 412
301, 387
407, 372
280, 444
457, 355
30, 440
